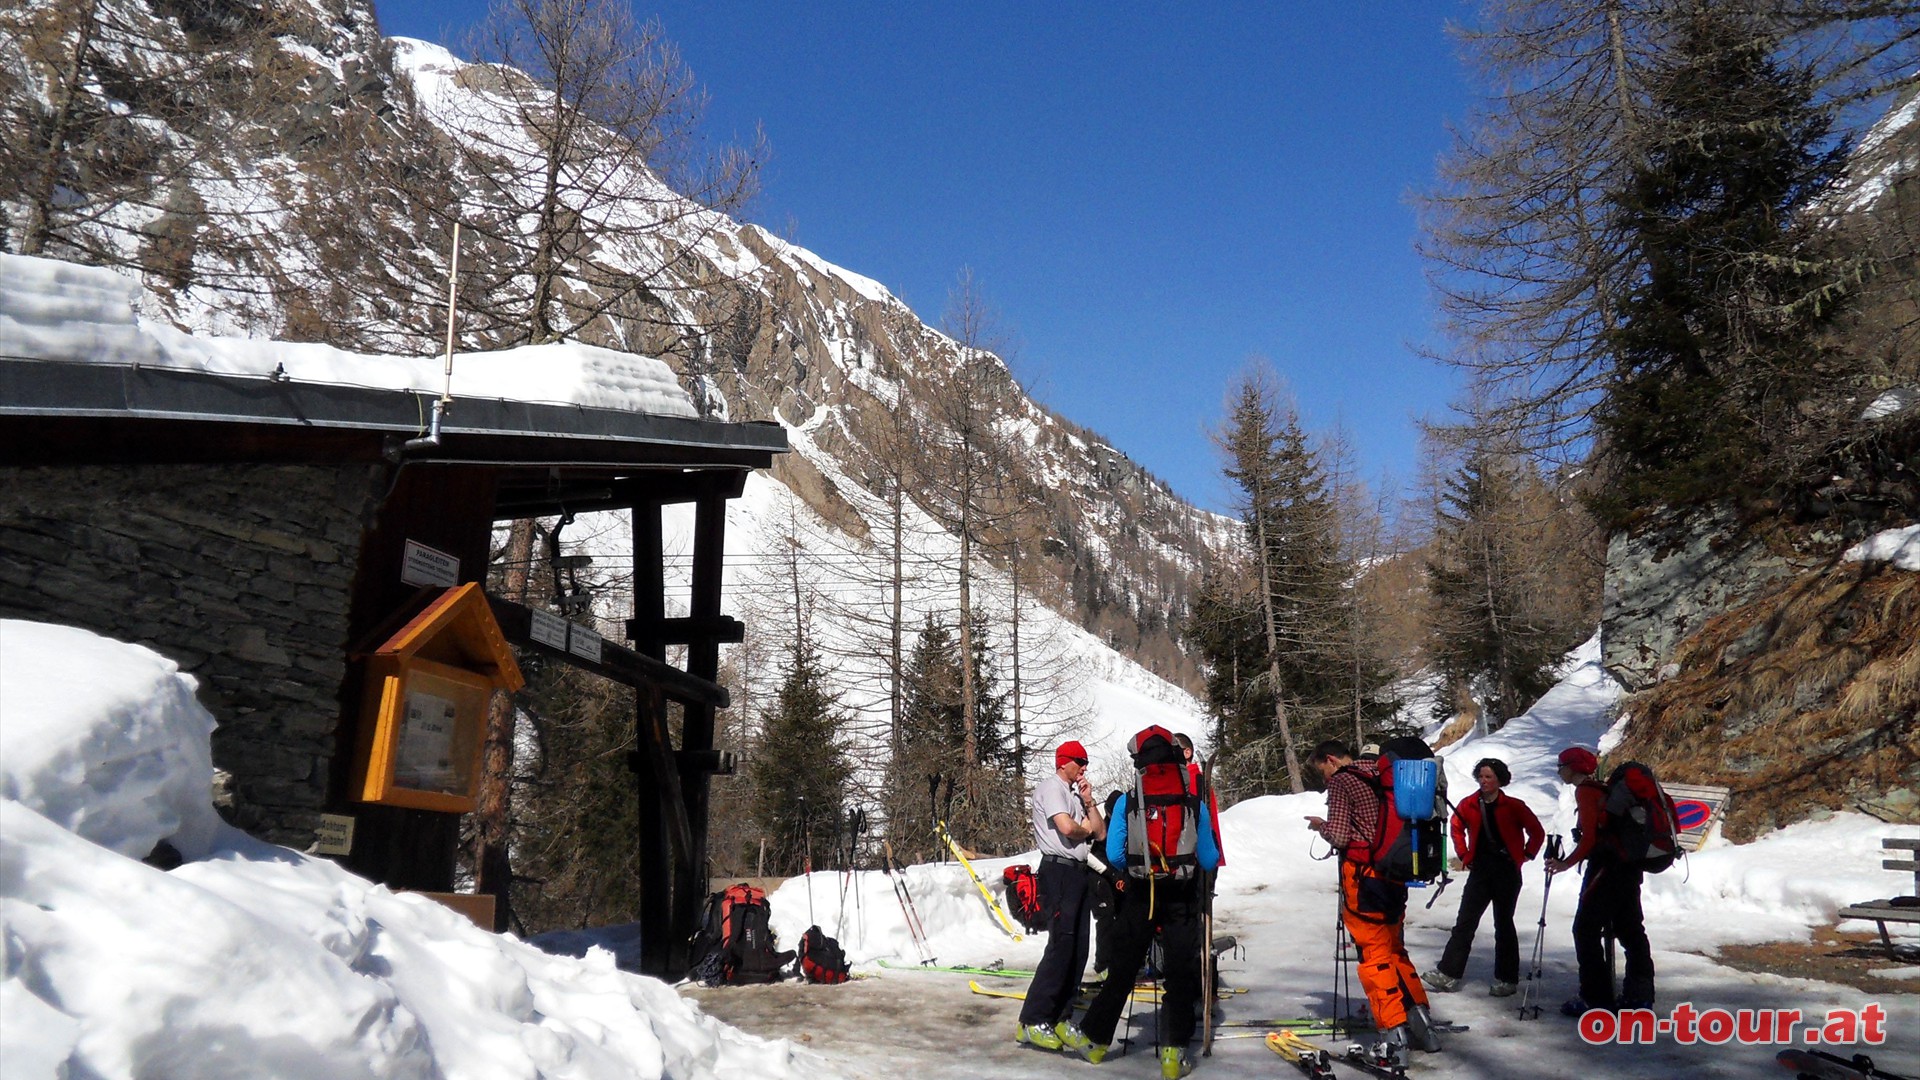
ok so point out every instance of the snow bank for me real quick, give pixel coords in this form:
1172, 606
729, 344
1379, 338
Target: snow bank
253, 960
104, 739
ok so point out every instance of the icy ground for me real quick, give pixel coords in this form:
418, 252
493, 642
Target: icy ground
255, 961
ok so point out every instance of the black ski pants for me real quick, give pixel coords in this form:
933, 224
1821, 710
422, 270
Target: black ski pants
1495, 883
1065, 898
1610, 907
1172, 908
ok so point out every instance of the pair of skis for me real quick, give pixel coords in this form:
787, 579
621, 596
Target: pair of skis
1317, 1061
897, 875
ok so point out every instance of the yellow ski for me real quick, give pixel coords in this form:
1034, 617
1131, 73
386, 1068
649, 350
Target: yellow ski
993, 904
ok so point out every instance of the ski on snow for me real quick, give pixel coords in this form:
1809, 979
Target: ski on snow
994, 970
1309, 1059
1820, 1065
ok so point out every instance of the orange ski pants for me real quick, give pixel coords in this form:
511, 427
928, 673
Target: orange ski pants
1386, 972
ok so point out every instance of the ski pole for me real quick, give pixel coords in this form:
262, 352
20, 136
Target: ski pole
1530, 1010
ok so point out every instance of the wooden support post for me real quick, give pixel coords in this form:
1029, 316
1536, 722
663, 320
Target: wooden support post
657, 893
703, 662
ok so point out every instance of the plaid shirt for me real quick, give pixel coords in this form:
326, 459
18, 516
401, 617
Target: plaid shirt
1353, 810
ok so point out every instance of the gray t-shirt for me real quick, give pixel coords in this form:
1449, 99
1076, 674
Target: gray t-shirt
1053, 796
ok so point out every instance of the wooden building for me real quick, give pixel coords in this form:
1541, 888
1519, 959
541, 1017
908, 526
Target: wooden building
282, 540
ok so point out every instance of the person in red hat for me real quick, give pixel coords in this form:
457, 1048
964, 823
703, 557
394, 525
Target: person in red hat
1609, 898
1065, 817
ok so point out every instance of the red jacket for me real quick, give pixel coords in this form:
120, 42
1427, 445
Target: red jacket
1519, 829
1590, 800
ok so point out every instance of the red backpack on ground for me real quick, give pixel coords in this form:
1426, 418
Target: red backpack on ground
822, 960
735, 943
1163, 811
1023, 896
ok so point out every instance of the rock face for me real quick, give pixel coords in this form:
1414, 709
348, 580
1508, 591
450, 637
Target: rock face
1656, 595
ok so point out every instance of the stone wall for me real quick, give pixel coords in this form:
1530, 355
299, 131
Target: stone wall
242, 574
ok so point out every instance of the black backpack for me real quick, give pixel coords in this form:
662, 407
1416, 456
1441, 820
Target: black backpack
1023, 896
822, 960
734, 944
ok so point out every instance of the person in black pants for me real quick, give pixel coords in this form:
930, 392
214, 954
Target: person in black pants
1609, 898
1495, 835
1065, 818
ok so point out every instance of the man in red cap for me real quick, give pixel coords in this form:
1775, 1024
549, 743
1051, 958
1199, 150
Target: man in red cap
1065, 818
1609, 897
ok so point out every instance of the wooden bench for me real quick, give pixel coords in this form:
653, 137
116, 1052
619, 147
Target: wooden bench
1882, 912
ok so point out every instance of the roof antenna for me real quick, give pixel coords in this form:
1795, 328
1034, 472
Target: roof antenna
445, 403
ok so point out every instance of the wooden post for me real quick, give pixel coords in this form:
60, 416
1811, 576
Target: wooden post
657, 923
703, 662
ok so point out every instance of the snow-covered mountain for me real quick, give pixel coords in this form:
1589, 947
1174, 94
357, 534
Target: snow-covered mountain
284, 199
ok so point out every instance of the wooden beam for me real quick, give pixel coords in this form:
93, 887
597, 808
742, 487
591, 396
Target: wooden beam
685, 631
617, 662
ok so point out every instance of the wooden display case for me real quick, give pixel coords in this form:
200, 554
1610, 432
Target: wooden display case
423, 717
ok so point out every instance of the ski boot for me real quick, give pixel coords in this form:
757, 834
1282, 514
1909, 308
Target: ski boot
1420, 1033
1040, 1035
1445, 984
1388, 1052
1502, 988
1174, 1063
1072, 1039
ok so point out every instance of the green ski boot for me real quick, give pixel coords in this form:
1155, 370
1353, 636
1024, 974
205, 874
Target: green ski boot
1174, 1063
1040, 1035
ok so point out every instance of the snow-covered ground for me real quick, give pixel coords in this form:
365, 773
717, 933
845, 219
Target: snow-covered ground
250, 960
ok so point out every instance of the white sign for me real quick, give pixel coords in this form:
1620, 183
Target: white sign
424, 761
334, 835
549, 630
425, 566
584, 643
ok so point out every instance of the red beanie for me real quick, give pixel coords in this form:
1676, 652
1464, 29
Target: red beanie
1071, 750
1580, 760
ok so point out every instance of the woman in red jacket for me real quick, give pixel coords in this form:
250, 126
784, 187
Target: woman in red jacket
1494, 834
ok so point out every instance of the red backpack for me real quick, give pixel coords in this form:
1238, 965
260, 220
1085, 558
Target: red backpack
1642, 821
735, 943
1163, 812
1023, 896
822, 960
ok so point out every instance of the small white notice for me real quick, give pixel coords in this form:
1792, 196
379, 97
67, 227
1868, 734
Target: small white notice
584, 643
333, 836
425, 566
549, 630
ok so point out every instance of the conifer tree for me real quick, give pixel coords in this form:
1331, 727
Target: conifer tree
1717, 343
799, 771
1486, 631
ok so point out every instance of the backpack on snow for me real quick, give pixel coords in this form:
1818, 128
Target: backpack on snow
1023, 896
822, 960
1642, 819
1163, 812
734, 944
1408, 842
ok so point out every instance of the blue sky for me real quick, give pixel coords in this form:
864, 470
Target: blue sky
1148, 194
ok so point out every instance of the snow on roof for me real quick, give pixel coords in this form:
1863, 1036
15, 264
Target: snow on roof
53, 310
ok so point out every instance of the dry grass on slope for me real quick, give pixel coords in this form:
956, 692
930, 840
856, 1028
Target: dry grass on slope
1806, 697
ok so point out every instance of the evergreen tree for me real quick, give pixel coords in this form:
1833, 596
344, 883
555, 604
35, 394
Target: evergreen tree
1717, 343
799, 772
981, 802
1486, 633
1301, 584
